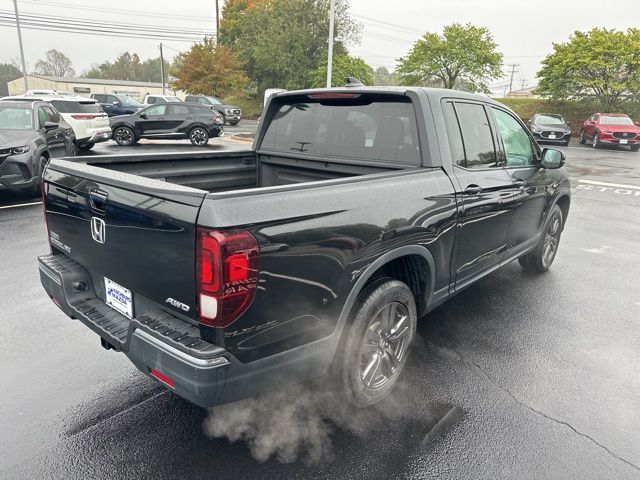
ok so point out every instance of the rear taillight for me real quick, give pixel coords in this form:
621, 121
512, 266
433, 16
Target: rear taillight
84, 117
227, 267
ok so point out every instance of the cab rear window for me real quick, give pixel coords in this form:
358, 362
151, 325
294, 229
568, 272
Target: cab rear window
65, 106
368, 127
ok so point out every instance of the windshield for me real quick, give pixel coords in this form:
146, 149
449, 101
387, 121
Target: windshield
15, 118
616, 121
170, 99
550, 120
214, 100
127, 101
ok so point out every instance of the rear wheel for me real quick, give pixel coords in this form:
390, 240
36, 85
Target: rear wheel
198, 136
583, 139
124, 136
86, 147
234, 123
540, 259
377, 341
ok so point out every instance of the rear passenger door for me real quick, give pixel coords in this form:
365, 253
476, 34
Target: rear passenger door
482, 187
179, 117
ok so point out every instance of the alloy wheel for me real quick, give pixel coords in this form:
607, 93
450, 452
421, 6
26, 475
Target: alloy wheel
123, 136
551, 241
385, 344
199, 136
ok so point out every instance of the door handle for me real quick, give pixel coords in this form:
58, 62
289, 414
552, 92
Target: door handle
472, 189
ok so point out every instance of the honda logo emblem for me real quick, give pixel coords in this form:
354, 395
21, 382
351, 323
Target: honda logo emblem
98, 229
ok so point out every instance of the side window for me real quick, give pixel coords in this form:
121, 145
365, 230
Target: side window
151, 100
479, 149
518, 148
52, 116
179, 110
99, 98
203, 101
42, 117
157, 110
455, 137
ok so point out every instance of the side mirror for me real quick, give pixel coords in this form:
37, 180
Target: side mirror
115, 103
552, 158
143, 115
50, 126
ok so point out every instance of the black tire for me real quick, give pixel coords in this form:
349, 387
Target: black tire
42, 164
198, 136
124, 136
234, 123
596, 141
86, 147
372, 354
582, 139
540, 259
566, 144
635, 148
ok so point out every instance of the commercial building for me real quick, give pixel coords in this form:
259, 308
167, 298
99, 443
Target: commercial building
87, 86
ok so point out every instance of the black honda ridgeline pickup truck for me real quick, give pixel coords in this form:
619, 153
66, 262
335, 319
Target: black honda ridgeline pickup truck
357, 211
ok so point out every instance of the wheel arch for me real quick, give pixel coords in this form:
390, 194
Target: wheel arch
564, 202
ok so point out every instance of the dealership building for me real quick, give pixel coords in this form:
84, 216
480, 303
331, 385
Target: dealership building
87, 86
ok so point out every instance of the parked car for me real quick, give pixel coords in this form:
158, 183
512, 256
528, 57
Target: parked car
153, 99
167, 121
615, 129
115, 104
31, 133
358, 212
232, 115
89, 122
550, 128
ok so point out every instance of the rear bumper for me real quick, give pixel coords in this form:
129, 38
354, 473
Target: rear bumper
102, 135
202, 373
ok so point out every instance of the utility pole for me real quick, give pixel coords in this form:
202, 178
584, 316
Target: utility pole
217, 23
523, 83
24, 65
513, 72
162, 68
330, 59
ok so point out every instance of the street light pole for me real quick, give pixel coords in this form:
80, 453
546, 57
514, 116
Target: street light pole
24, 65
331, 26
162, 68
217, 23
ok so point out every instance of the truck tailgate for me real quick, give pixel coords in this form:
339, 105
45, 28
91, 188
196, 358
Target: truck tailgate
136, 236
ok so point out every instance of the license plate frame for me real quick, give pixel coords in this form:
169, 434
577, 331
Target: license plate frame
552, 136
624, 141
118, 297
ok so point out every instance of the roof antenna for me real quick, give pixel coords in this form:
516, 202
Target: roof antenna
353, 82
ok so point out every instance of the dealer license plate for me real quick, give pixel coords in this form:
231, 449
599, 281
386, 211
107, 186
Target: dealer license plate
552, 136
118, 297
623, 142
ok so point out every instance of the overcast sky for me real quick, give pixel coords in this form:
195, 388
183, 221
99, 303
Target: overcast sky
523, 29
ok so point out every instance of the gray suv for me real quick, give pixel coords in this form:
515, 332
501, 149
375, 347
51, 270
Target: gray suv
31, 133
232, 115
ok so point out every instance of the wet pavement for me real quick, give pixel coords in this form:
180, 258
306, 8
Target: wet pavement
519, 376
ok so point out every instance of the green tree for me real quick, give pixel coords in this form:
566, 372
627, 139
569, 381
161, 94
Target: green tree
463, 56
600, 64
55, 64
343, 66
8, 72
382, 76
281, 41
208, 69
102, 70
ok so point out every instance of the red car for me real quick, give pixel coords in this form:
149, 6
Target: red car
611, 129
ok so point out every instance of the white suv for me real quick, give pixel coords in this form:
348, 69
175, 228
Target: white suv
153, 99
85, 115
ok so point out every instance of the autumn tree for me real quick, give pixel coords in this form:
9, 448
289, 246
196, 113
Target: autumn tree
463, 56
55, 64
281, 41
600, 64
208, 69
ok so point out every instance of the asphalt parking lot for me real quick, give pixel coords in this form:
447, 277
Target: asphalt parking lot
518, 377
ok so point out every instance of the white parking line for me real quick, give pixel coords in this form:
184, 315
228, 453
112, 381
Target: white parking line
607, 184
21, 205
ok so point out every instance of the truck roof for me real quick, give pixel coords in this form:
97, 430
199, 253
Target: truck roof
434, 93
